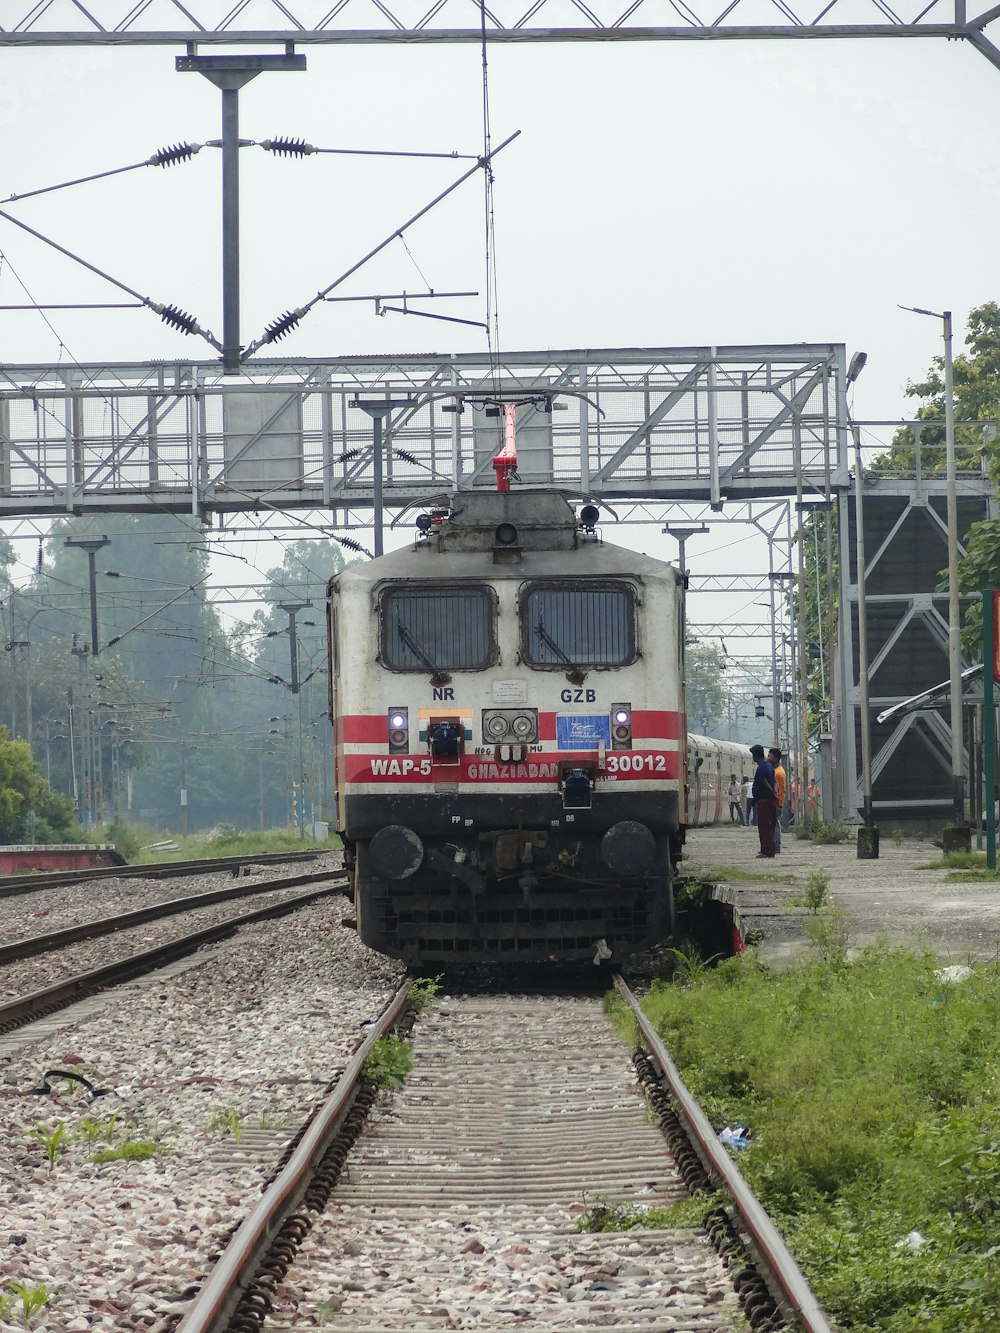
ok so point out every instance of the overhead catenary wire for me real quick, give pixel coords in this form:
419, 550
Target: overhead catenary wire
284, 324
170, 314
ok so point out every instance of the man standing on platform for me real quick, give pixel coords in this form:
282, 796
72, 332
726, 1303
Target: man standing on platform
764, 801
780, 785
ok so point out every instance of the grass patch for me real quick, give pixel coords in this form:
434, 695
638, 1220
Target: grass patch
605, 1215
719, 873
198, 847
132, 1150
873, 1091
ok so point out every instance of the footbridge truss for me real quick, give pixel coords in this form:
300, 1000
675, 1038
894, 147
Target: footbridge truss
318, 22
696, 424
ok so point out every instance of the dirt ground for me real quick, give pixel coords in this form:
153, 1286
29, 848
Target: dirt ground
893, 897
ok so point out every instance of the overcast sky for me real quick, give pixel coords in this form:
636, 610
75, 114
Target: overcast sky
663, 194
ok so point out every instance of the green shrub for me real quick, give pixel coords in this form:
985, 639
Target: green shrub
830, 831
872, 1089
423, 993
389, 1061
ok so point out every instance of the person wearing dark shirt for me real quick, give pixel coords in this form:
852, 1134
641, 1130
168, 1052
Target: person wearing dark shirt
764, 800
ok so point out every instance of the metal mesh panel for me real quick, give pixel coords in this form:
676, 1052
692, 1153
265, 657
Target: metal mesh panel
439, 628
579, 625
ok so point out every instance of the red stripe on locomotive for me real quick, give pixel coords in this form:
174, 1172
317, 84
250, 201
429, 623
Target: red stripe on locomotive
539, 769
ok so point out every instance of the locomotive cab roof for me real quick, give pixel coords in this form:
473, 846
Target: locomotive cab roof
475, 534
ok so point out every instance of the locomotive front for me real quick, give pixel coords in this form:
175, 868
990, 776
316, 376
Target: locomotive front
509, 732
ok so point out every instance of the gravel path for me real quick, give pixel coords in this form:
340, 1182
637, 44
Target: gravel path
241, 1042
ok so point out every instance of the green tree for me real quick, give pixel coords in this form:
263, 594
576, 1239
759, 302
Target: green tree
976, 379
706, 694
29, 809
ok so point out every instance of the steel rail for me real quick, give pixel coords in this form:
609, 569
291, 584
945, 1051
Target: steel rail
212, 1308
108, 925
26, 881
782, 1274
23, 1008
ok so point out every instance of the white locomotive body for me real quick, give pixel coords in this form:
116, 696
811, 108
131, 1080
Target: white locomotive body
508, 710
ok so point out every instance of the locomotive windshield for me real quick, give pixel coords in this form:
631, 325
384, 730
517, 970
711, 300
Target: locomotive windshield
578, 624
438, 628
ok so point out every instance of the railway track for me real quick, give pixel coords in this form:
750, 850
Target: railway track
457, 1206
48, 999
28, 882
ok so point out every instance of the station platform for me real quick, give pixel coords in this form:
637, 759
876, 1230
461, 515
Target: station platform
893, 897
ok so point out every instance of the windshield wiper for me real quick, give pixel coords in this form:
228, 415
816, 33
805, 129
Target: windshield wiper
415, 648
551, 644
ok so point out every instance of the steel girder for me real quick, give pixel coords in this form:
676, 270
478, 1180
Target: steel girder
907, 618
318, 22
702, 425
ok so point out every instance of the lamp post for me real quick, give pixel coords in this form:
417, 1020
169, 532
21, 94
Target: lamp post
959, 837
378, 409
91, 546
681, 536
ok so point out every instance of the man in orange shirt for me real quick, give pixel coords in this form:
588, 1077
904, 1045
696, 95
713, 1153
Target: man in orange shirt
780, 786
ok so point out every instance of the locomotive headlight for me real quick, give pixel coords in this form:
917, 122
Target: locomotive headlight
621, 726
522, 726
496, 726
399, 730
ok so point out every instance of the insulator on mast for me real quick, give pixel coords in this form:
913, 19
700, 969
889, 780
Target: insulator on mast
288, 147
176, 318
282, 325
174, 153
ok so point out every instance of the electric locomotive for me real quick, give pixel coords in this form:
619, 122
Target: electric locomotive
510, 738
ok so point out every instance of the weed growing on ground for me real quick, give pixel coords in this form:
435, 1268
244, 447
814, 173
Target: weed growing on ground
828, 932
873, 1109
897, 836
604, 1215
817, 889
830, 831
389, 1061
227, 1122
132, 1150
956, 861
92, 1130
723, 874
689, 966
32, 1300
52, 1140
423, 993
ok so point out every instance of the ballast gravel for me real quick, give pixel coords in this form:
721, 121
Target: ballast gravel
40, 910
215, 1066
